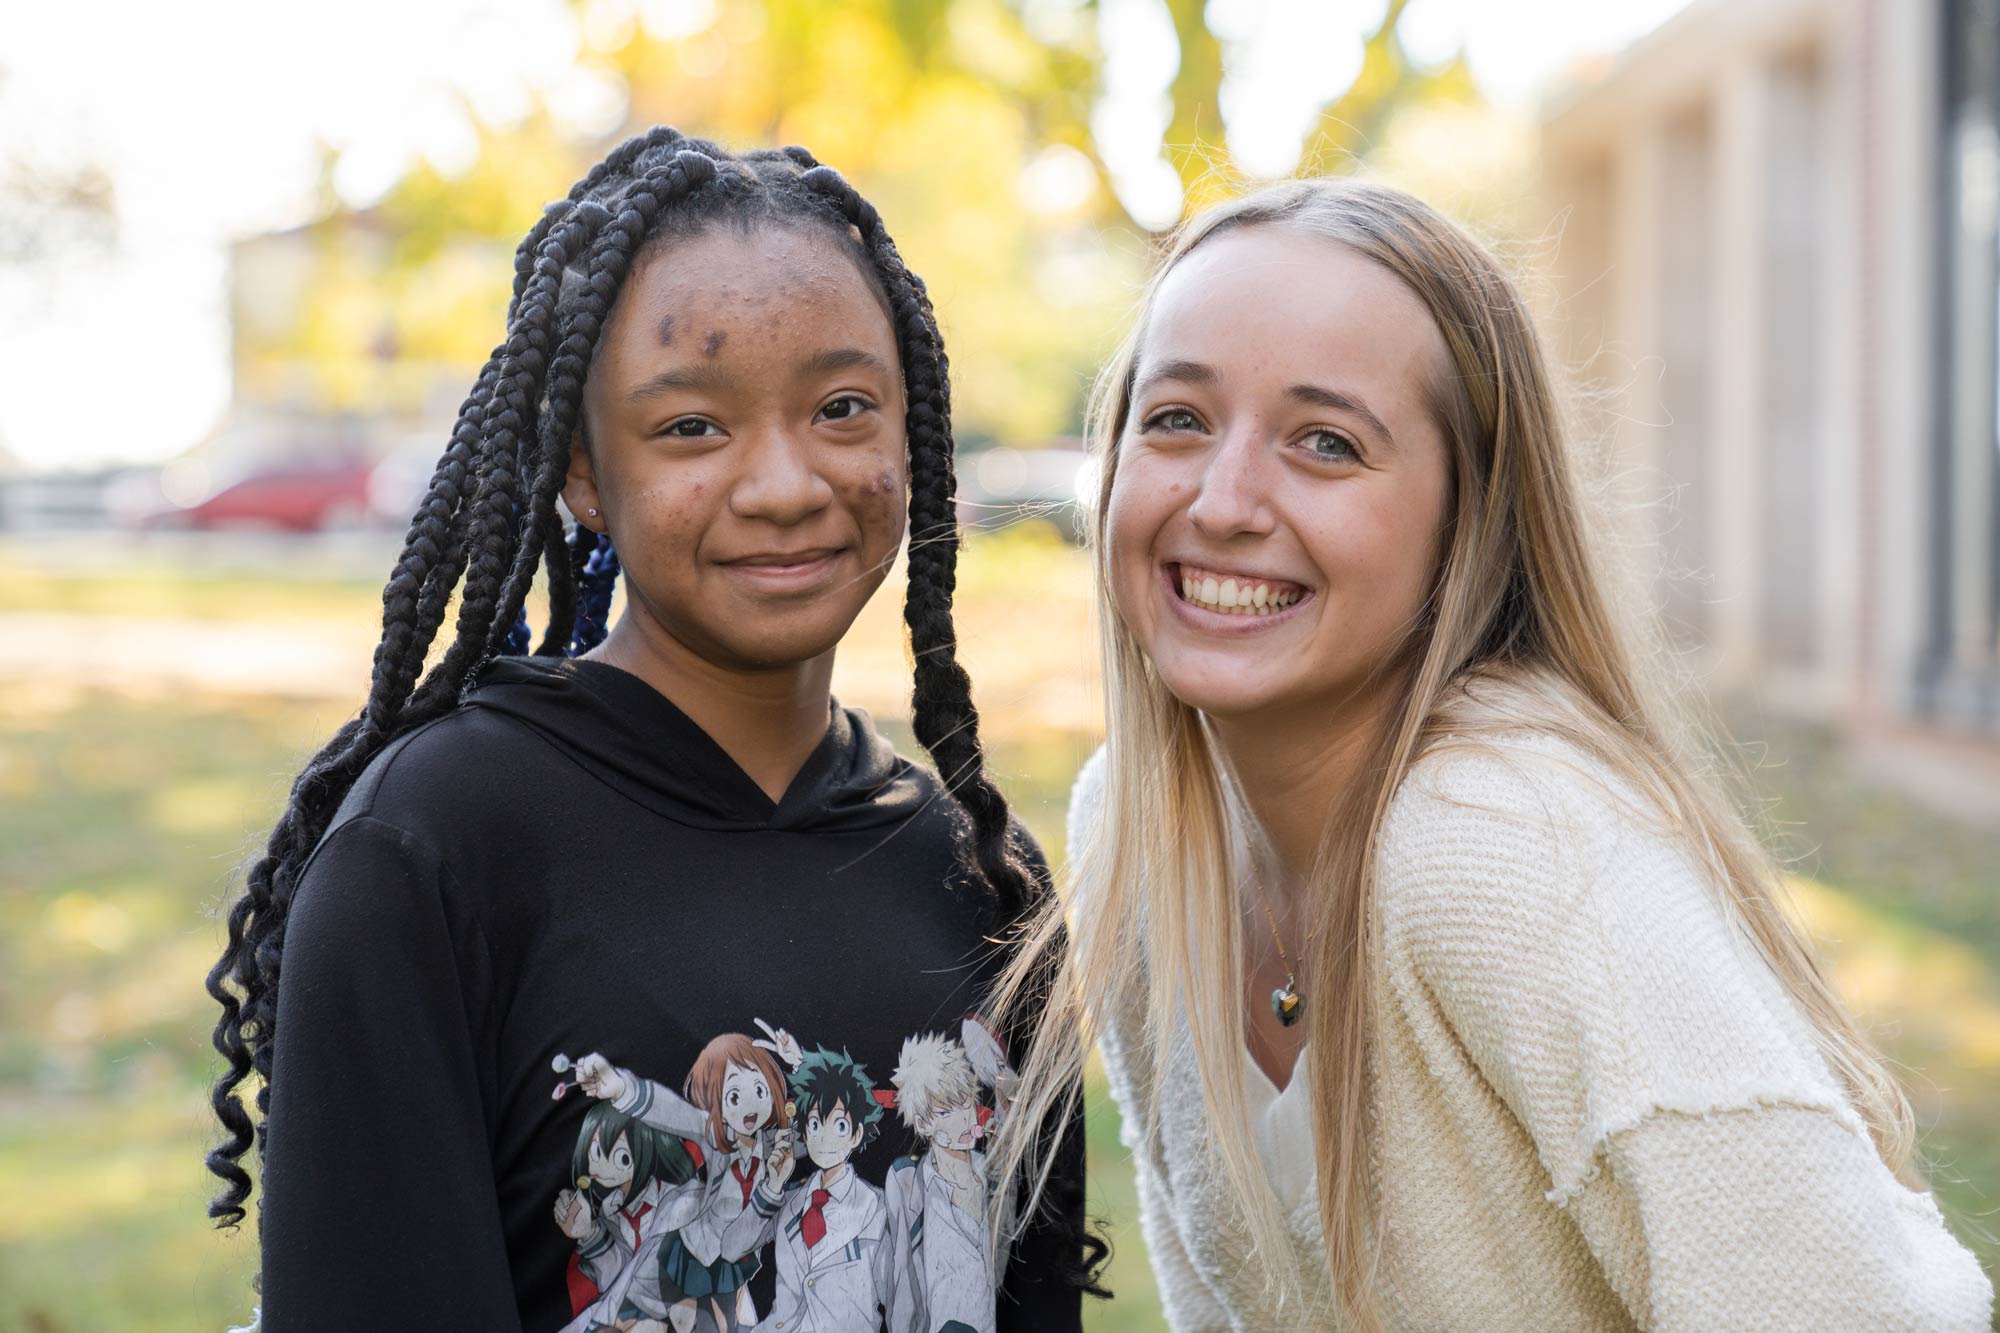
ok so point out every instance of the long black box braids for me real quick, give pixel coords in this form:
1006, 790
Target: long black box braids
489, 522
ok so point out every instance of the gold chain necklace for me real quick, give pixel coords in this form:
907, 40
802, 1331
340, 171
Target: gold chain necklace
1286, 1002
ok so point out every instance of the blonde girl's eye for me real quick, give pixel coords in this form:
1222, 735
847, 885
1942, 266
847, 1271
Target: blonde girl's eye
1172, 421
846, 408
1332, 446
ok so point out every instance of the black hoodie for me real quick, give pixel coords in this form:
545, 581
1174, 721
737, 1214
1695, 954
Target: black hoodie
568, 865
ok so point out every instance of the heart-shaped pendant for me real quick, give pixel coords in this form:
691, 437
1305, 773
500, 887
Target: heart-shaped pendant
1287, 1004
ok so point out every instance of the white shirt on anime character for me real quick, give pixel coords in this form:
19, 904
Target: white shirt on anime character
947, 1280
826, 1285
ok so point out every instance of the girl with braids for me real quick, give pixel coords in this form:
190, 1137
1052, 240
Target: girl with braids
1437, 987
627, 840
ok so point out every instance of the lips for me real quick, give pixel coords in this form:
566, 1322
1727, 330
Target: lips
776, 560
804, 572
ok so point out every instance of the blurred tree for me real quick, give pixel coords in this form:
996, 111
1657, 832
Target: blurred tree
48, 211
966, 121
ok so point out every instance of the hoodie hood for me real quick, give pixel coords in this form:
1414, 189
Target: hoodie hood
617, 726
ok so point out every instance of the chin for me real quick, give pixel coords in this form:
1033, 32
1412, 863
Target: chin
1220, 694
770, 646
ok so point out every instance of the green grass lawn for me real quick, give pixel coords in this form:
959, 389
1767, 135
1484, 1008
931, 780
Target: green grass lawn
124, 816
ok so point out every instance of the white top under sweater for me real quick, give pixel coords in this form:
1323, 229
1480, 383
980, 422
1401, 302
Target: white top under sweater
1594, 1106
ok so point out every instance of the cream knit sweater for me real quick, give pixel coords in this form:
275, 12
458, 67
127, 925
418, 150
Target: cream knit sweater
1595, 1107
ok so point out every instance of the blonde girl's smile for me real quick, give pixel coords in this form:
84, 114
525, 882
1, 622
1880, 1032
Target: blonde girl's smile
1243, 600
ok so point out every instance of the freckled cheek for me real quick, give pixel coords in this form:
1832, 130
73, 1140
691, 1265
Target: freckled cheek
1141, 506
666, 523
875, 491
1130, 538
1376, 544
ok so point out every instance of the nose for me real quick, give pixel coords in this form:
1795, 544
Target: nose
1234, 496
781, 481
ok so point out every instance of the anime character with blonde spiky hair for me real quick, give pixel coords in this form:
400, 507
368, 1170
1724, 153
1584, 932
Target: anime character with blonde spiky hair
935, 1274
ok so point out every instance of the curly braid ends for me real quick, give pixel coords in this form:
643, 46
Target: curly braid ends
489, 521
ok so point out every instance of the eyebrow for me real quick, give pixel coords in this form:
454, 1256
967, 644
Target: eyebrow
707, 377
1184, 372
688, 377
840, 358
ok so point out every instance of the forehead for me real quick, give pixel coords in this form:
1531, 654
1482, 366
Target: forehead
774, 285
738, 1073
1278, 304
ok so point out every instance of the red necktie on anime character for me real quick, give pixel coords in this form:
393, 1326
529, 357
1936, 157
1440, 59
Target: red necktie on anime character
813, 1225
747, 1179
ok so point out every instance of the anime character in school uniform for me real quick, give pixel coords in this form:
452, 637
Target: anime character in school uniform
935, 1273
733, 1111
629, 1178
828, 1227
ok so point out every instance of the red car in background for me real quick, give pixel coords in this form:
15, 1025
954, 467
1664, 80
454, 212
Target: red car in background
289, 499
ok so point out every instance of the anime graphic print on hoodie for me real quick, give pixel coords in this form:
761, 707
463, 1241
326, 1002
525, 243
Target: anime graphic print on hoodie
843, 1258
566, 881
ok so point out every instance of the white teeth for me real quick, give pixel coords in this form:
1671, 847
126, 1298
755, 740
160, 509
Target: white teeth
1235, 598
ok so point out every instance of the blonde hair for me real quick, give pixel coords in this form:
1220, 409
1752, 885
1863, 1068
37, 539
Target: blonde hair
932, 1071
1518, 631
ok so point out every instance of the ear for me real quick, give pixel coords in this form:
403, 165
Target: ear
580, 490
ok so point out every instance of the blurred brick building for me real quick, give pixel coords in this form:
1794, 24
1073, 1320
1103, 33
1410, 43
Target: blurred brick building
1779, 263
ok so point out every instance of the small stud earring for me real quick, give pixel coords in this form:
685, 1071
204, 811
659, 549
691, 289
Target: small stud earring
592, 511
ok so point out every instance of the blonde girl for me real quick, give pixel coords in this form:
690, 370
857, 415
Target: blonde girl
1437, 987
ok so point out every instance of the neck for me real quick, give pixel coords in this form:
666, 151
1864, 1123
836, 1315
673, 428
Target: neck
768, 720
961, 1155
829, 1174
1291, 775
